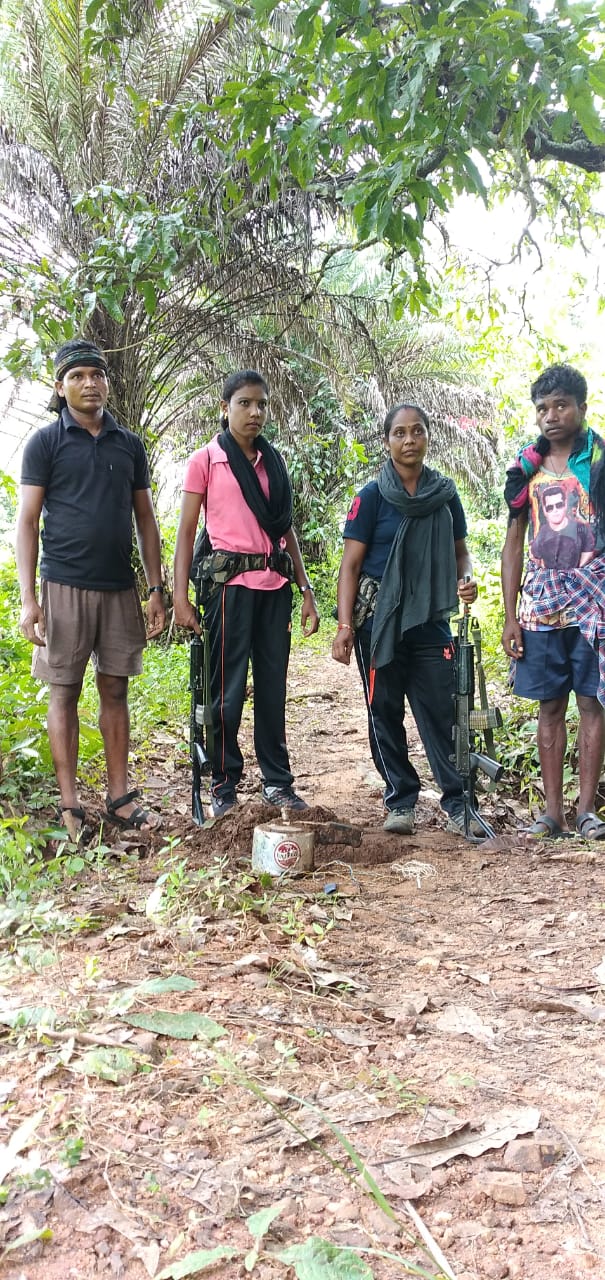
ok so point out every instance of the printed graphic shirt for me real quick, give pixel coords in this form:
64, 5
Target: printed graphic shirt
560, 536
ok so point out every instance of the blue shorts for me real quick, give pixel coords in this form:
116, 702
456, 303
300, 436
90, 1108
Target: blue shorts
555, 662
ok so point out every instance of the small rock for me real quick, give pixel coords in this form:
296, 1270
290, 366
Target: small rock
504, 1188
147, 1044
343, 1210
315, 1203
491, 1218
275, 1094
523, 1155
516, 1269
470, 1228
428, 964
497, 1271
550, 1149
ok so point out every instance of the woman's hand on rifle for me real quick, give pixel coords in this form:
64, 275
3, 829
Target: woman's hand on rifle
186, 616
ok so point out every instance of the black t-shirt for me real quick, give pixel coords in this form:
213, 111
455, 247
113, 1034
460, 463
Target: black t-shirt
374, 521
88, 484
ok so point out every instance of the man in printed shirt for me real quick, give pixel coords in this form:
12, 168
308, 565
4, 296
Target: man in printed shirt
555, 615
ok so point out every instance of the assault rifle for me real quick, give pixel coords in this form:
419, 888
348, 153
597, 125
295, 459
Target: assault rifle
468, 722
201, 735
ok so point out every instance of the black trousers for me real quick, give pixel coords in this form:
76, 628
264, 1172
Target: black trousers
424, 674
243, 625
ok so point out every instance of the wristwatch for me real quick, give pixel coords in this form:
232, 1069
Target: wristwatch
305, 587
159, 589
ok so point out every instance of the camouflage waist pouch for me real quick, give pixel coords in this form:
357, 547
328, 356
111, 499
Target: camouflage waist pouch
365, 600
219, 567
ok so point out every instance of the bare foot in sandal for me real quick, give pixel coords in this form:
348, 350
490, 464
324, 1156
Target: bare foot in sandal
124, 813
72, 817
590, 826
545, 828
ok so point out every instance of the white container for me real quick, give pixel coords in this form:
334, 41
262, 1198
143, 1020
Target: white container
277, 848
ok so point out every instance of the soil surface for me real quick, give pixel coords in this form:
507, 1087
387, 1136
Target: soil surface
400, 1052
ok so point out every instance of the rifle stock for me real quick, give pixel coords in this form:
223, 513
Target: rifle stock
201, 737
470, 721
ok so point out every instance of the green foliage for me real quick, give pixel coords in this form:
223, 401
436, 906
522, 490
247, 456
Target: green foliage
27, 764
23, 743
8, 504
159, 698
409, 95
324, 468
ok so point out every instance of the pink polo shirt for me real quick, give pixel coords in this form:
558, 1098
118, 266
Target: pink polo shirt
230, 523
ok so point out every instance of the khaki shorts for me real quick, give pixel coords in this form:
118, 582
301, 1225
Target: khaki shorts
105, 625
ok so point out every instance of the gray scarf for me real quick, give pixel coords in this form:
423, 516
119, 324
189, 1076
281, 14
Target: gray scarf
419, 580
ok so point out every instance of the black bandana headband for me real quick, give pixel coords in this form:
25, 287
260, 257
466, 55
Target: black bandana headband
86, 354
70, 357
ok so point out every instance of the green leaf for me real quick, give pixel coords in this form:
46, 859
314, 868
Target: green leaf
581, 102
533, 42
477, 182
92, 10
44, 1233
180, 1026
149, 296
113, 308
596, 78
117, 1065
317, 1259
154, 986
122, 1000
258, 1223
28, 1016
196, 1262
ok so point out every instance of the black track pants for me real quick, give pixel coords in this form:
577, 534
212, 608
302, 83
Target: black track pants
245, 625
424, 674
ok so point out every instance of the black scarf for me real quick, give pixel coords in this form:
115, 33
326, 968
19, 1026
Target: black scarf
419, 580
274, 514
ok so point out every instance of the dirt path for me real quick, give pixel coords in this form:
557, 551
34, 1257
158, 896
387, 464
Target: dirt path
440, 1008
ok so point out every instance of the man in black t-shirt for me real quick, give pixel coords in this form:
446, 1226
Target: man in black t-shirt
86, 476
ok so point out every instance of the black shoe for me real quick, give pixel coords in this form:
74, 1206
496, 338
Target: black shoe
283, 798
222, 803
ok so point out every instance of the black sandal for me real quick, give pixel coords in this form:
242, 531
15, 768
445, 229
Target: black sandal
590, 827
138, 819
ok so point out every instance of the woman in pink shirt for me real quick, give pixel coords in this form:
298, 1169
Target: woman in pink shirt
242, 484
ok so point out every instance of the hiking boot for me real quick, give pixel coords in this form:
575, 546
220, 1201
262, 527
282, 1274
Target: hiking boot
455, 822
222, 802
400, 821
283, 798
